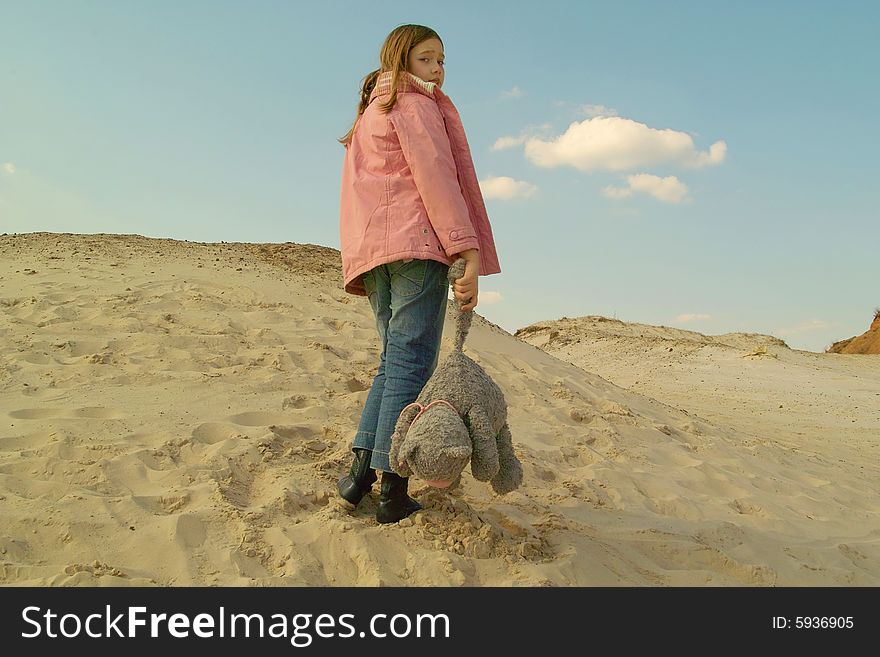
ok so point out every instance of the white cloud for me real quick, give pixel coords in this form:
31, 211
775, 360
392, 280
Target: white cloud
586, 109
597, 110
506, 188
612, 143
691, 317
669, 189
8, 167
806, 327
532, 131
516, 92
508, 142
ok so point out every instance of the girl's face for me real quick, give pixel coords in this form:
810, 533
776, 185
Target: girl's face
425, 61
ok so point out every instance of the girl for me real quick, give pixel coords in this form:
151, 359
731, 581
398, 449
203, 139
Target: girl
410, 206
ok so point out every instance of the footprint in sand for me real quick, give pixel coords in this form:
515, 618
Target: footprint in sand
90, 412
353, 384
34, 440
210, 433
296, 401
79, 348
161, 504
743, 506
258, 418
295, 432
99, 413
37, 359
299, 502
190, 531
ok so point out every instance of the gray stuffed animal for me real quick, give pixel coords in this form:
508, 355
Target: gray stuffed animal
460, 415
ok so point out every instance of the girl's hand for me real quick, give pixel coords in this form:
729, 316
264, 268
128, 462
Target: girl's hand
466, 288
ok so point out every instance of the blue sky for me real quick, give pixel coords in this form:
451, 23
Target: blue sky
704, 165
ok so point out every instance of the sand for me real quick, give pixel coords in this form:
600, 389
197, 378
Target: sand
176, 413
866, 343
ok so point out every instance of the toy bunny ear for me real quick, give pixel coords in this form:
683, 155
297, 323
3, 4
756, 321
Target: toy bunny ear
399, 461
405, 419
398, 453
400, 456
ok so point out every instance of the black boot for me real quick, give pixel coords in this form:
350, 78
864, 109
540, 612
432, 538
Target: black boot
360, 478
394, 503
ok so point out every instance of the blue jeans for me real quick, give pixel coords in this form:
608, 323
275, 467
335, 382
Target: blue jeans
408, 299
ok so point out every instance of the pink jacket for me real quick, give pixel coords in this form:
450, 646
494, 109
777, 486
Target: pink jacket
409, 189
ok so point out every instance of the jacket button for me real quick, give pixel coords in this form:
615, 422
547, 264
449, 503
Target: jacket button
453, 234
425, 231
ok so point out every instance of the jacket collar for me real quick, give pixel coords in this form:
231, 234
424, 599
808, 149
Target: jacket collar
406, 83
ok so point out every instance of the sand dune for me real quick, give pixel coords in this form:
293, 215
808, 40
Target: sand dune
751, 383
177, 413
868, 343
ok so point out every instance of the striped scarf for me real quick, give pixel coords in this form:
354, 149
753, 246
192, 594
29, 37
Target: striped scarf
406, 83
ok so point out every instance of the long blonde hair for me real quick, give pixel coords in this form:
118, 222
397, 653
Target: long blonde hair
392, 57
